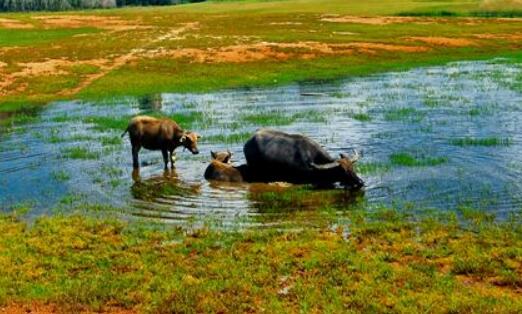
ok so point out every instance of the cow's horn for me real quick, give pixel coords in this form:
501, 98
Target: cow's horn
325, 166
355, 156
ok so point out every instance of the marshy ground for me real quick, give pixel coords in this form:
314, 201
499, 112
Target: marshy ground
438, 137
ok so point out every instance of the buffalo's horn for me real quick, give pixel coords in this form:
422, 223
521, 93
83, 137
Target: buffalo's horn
355, 156
324, 166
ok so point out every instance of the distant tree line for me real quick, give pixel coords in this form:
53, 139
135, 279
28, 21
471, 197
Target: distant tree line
60, 5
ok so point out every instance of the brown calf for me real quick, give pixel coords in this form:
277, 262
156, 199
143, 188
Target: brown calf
159, 134
220, 169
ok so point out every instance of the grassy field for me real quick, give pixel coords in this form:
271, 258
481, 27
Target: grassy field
214, 45
377, 262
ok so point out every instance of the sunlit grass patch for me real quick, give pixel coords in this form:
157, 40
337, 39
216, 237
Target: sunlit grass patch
78, 153
32, 37
485, 141
408, 160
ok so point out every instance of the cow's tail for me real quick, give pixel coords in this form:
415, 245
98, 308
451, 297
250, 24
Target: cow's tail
124, 132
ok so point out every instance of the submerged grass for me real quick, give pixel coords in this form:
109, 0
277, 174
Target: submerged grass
232, 138
408, 160
377, 262
485, 141
79, 153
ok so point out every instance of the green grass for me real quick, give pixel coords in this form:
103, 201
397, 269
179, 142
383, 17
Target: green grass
387, 262
108, 141
79, 153
30, 37
404, 114
61, 175
103, 123
363, 117
485, 141
274, 118
232, 138
408, 160
372, 167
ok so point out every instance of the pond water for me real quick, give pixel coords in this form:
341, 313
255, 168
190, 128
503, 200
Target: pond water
436, 137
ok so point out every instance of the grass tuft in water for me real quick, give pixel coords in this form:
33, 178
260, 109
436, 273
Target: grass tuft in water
372, 167
233, 138
408, 160
404, 114
363, 117
79, 153
486, 141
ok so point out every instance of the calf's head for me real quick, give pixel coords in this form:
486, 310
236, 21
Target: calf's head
223, 157
342, 170
189, 140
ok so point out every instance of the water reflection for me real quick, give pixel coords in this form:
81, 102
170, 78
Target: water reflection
150, 103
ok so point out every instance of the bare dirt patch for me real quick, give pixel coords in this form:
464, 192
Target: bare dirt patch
41, 308
278, 51
444, 41
76, 21
12, 23
511, 37
381, 20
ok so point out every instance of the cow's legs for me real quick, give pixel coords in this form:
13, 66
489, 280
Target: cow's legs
135, 150
165, 157
172, 158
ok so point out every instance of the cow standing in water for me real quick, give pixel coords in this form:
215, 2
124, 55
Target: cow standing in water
159, 134
277, 156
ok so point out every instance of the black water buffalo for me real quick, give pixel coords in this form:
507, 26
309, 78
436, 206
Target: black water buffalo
220, 169
159, 134
277, 156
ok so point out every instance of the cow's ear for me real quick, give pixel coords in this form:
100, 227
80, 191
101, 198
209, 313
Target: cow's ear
344, 156
213, 155
198, 136
182, 138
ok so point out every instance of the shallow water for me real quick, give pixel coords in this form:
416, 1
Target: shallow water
419, 112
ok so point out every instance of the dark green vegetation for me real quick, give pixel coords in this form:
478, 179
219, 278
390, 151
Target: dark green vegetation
376, 262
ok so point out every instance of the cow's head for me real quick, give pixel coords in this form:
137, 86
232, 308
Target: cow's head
189, 140
223, 157
342, 170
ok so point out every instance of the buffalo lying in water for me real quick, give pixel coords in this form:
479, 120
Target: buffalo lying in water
220, 169
277, 156
159, 134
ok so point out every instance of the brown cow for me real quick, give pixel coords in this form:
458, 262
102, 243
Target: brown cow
220, 169
159, 134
